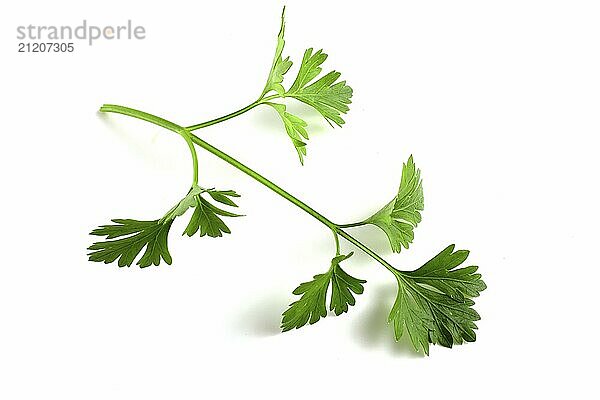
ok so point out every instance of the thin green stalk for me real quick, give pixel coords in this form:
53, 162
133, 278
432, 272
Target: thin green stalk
367, 250
190, 144
352, 225
337, 229
258, 177
233, 114
337, 242
132, 112
160, 122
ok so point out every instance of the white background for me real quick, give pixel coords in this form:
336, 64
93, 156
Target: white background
498, 102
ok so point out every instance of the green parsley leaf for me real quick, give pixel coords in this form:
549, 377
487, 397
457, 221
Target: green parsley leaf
329, 97
342, 286
400, 216
295, 128
312, 306
223, 196
135, 235
206, 215
434, 303
280, 66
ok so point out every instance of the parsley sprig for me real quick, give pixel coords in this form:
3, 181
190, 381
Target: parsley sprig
434, 303
126, 238
327, 95
398, 218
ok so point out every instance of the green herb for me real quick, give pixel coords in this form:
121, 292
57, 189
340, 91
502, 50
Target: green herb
326, 94
134, 236
434, 302
152, 235
312, 305
206, 215
400, 217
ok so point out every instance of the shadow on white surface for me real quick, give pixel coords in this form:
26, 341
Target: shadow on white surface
266, 119
371, 329
317, 125
261, 316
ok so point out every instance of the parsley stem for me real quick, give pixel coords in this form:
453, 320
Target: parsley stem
160, 122
258, 177
225, 157
352, 225
337, 229
131, 112
337, 242
233, 114
367, 250
190, 144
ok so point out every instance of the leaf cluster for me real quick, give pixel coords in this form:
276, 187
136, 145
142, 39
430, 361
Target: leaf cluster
434, 303
326, 94
126, 238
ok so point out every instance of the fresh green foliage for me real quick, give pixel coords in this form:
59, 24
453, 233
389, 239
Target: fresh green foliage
309, 69
400, 216
295, 128
434, 303
133, 237
206, 218
327, 95
311, 307
342, 286
280, 66
153, 235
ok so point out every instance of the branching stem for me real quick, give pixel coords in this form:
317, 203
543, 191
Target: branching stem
186, 135
234, 114
193, 139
